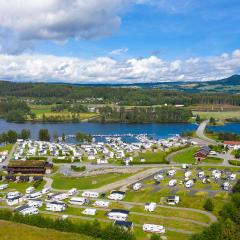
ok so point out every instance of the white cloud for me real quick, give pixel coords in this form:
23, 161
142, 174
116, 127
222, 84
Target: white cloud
119, 51
58, 20
47, 68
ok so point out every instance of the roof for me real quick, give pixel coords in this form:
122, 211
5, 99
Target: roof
118, 192
123, 224
19, 209
28, 163
120, 211
232, 142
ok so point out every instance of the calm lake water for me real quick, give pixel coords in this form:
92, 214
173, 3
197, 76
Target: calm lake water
157, 130
230, 127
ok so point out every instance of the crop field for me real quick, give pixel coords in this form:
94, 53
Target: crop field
17, 231
218, 115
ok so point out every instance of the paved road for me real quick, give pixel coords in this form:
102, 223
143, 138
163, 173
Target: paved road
200, 133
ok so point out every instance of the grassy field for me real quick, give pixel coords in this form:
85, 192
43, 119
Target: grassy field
39, 110
21, 187
6, 147
151, 157
17, 231
62, 182
213, 160
186, 156
218, 115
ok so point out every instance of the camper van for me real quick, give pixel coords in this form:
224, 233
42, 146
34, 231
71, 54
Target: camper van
172, 183
137, 186
118, 214
189, 184
150, 206
152, 228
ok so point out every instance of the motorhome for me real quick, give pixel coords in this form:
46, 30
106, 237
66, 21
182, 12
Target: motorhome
30, 190
152, 228
72, 191
172, 183
137, 186
171, 173
90, 194
35, 203
3, 186
27, 210
226, 186
189, 184
78, 201
101, 204
89, 211
187, 174
116, 195
118, 214
56, 206
201, 174
150, 206
173, 200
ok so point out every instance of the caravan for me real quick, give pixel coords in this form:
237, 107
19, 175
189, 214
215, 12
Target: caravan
150, 206
172, 183
152, 228
118, 214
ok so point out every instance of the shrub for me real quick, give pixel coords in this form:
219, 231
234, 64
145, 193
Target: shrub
209, 206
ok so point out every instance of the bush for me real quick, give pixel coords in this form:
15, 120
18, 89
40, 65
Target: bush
209, 206
78, 169
155, 237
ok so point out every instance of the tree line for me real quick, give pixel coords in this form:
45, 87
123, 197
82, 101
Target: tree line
11, 136
60, 93
163, 114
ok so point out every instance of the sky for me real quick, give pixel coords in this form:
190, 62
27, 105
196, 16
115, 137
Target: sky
119, 41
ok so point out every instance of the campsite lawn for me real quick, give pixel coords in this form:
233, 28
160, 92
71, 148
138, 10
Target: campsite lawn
17, 231
21, 187
186, 156
91, 182
151, 157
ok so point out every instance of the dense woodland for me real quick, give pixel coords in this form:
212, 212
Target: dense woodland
144, 115
60, 93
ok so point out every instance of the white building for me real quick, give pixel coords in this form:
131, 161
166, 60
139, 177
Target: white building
56, 206
152, 228
150, 206
14, 200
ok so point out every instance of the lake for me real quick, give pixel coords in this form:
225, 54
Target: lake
157, 130
229, 127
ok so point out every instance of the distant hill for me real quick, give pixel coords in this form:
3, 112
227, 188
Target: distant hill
227, 85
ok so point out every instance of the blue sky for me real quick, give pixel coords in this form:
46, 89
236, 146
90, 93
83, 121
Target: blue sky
131, 40
203, 29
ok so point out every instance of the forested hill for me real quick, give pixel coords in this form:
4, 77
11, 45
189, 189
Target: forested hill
60, 93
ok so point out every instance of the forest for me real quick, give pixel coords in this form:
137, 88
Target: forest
60, 93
